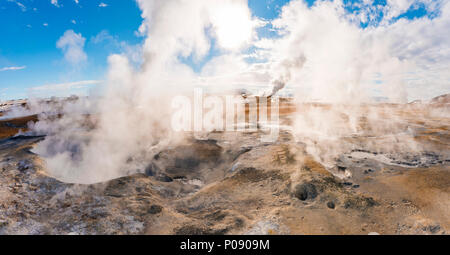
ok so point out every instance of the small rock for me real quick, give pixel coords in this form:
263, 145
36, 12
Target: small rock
368, 171
432, 229
348, 174
234, 167
356, 186
305, 191
3, 223
24, 165
155, 209
331, 205
151, 170
341, 168
164, 178
97, 213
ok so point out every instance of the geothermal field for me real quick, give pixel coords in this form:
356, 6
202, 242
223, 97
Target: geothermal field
380, 168
225, 117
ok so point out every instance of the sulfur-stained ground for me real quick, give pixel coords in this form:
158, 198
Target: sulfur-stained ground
231, 183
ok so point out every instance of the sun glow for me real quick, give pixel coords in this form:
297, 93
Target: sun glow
233, 25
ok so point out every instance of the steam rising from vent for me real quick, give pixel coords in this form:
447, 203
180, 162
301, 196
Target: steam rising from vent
130, 122
286, 67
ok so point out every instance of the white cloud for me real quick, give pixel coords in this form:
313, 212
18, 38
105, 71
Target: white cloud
369, 13
103, 36
102, 5
114, 45
12, 68
72, 45
66, 86
55, 3
45, 24
21, 6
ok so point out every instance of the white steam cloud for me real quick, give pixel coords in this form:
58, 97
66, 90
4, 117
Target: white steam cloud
130, 118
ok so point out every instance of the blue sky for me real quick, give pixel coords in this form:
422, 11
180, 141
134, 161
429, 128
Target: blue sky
30, 30
29, 39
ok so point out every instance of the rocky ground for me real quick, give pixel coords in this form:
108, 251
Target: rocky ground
235, 184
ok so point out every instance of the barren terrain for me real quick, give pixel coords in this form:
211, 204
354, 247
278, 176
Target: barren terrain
231, 183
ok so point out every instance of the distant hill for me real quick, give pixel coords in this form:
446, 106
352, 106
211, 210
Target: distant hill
443, 99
